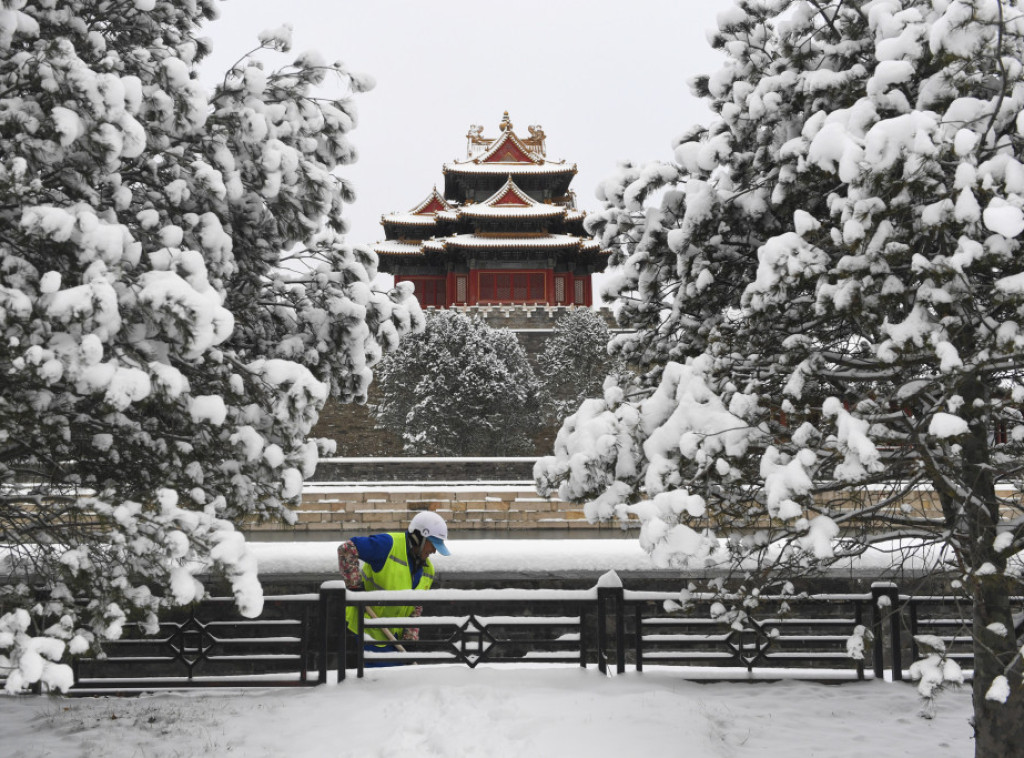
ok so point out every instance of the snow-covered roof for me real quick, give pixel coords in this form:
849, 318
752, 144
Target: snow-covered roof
511, 169
422, 214
478, 143
407, 219
540, 210
508, 154
511, 202
484, 241
396, 247
431, 204
507, 148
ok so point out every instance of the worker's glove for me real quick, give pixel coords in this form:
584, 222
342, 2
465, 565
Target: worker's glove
410, 634
348, 565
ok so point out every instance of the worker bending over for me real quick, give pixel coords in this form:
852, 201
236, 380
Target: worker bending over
391, 561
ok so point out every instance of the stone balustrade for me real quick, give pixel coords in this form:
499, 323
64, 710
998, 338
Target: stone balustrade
492, 507
364, 509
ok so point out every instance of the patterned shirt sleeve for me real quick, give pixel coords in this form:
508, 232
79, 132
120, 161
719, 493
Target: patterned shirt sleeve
348, 565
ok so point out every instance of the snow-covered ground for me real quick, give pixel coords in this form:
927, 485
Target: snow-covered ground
500, 713
515, 711
548, 555
471, 556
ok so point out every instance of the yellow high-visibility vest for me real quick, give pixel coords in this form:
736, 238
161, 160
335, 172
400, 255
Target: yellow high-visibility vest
395, 575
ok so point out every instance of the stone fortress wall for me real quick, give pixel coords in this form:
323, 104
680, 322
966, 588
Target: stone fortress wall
491, 497
479, 495
512, 510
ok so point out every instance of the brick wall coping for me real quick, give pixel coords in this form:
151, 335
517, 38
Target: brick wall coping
508, 483
542, 330
476, 486
417, 459
424, 469
414, 460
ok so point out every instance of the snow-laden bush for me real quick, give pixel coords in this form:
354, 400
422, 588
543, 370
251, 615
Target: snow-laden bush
459, 388
573, 363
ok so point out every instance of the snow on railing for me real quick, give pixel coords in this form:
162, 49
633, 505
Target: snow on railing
820, 636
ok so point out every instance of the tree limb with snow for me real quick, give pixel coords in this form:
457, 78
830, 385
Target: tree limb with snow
826, 291
177, 302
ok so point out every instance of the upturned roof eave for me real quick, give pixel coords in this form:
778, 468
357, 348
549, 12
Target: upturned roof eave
404, 219
508, 168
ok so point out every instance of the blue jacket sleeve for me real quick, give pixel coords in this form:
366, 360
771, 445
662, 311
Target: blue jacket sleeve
374, 549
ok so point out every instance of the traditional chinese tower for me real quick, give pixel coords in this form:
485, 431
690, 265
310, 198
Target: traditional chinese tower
506, 231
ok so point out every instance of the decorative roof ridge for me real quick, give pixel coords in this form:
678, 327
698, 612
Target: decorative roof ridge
505, 137
509, 186
478, 145
434, 195
499, 142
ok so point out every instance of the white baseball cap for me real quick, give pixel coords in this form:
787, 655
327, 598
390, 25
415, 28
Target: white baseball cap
433, 528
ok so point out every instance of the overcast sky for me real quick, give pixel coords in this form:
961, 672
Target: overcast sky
606, 80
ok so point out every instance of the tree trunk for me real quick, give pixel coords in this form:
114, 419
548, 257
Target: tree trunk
998, 727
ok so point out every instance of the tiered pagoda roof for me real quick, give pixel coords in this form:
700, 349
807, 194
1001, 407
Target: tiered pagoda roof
505, 207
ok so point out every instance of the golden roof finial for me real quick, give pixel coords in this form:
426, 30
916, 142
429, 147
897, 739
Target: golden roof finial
505, 125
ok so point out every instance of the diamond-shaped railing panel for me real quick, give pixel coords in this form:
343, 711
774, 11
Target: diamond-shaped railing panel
749, 644
191, 642
472, 641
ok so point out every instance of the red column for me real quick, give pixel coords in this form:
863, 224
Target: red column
549, 286
449, 289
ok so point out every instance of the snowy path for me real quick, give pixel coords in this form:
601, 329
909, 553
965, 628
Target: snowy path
500, 713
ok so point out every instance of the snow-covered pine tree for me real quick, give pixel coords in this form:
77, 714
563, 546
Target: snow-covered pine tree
574, 363
829, 291
161, 367
459, 388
